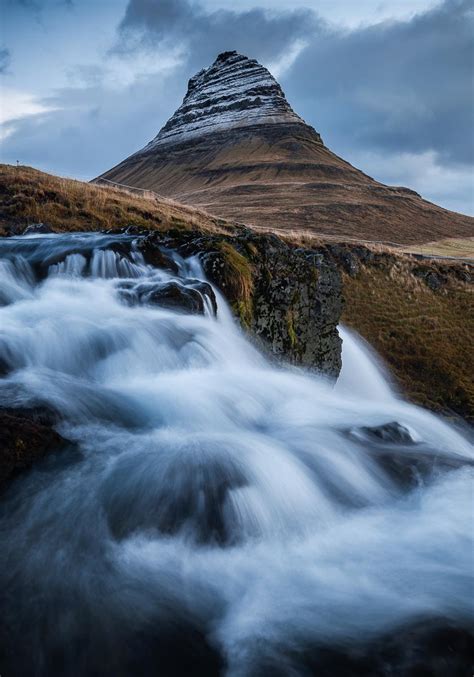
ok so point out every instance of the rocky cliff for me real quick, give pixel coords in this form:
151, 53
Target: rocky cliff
237, 149
289, 299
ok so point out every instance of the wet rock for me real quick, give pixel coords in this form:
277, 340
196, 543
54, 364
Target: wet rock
392, 432
135, 230
37, 228
404, 457
26, 435
297, 304
145, 493
154, 255
425, 648
289, 299
177, 296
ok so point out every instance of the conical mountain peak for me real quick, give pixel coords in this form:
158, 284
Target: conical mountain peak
236, 149
234, 91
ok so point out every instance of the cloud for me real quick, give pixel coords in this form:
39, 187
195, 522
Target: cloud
92, 127
37, 5
16, 106
447, 185
203, 33
5, 60
402, 86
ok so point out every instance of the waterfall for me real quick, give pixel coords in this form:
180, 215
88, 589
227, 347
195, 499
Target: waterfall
213, 512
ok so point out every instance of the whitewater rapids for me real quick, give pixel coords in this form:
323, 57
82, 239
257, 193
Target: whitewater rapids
213, 513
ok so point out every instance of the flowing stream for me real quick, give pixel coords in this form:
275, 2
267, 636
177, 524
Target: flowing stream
213, 513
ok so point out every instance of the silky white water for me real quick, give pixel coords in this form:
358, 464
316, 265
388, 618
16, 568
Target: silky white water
209, 497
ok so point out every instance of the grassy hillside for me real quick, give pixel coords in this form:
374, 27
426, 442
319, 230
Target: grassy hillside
29, 196
423, 334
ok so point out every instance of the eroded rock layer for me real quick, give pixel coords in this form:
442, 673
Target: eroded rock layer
234, 92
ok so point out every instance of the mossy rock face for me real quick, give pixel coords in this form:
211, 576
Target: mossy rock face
289, 299
297, 306
233, 273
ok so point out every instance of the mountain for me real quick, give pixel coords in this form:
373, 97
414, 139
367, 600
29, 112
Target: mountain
236, 149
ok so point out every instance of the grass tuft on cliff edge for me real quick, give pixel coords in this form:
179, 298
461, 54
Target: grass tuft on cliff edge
239, 283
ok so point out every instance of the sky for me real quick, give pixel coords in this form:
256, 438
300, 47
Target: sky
389, 85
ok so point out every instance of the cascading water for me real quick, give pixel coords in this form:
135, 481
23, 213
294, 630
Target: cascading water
214, 513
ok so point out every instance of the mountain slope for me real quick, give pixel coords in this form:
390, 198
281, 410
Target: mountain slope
236, 149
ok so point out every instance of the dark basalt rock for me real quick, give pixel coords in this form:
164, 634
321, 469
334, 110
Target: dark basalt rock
177, 296
407, 461
26, 435
297, 305
290, 299
349, 259
155, 256
186, 295
426, 648
434, 279
37, 228
392, 432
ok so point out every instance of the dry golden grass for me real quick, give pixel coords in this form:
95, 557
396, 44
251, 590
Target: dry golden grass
458, 247
451, 247
310, 239
424, 336
29, 196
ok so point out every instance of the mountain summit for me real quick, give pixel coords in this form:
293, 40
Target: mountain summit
234, 92
236, 148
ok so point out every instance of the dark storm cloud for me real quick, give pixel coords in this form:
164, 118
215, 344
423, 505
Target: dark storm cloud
400, 86
204, 33
5, 60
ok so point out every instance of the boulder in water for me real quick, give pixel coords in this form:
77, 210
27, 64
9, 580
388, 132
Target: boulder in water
37, 228
155, 256
402, 455
26, 435
392, 432
178, 296
186, 296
